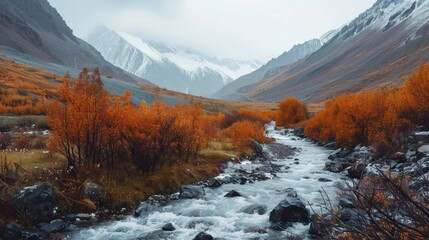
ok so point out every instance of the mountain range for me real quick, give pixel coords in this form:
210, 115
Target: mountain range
174, 68
376, 50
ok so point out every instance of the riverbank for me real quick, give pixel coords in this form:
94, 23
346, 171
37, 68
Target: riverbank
121, 190
297, 176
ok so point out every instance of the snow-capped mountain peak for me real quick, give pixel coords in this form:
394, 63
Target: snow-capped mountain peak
385, 14
171, 67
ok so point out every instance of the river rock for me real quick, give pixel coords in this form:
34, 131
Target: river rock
232, 194
143, 208
299, 131
356, 170
203, 236
335, 166
260, 209
257, 147
16, 231
94, 192
330, 145
424, 149
339, 153
288, 211
345, 203
83, 216
36, 202
168, 227
191, 191
399, 157
214, 183
324, 180
319, 225
54, 226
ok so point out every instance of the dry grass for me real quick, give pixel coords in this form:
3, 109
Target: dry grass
33, 160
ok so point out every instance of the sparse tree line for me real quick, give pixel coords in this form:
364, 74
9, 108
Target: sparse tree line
90, 127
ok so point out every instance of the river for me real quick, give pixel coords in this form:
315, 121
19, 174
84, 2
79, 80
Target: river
222, 217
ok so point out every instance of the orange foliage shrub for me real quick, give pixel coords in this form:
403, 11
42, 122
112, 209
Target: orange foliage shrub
241, 132
260, 117
378, 118
291, 111
369, 118
416, 95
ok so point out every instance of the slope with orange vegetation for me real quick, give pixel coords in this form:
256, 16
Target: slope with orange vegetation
23, 89
213, 105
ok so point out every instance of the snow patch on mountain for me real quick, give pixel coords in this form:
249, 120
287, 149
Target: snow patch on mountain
142, 46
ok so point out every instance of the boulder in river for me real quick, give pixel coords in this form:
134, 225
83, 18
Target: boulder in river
214, 183
203, 236
288, 211
335, 166
191, 191
232, 194
143, 208
168, 227
36, 202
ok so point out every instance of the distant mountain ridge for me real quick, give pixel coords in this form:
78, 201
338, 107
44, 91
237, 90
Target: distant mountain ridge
377, 49
245, 84
173, 68
37, 29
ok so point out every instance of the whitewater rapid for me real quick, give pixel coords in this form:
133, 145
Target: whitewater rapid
222, 217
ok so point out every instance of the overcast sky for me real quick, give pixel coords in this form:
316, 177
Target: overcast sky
240, 29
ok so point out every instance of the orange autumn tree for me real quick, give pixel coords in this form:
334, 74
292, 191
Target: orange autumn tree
77, 119
291, 111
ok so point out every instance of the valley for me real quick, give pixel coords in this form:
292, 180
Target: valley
214, 120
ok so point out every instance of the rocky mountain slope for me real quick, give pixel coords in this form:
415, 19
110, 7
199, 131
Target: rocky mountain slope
377, 49
37, 29
244, 84
169, 67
